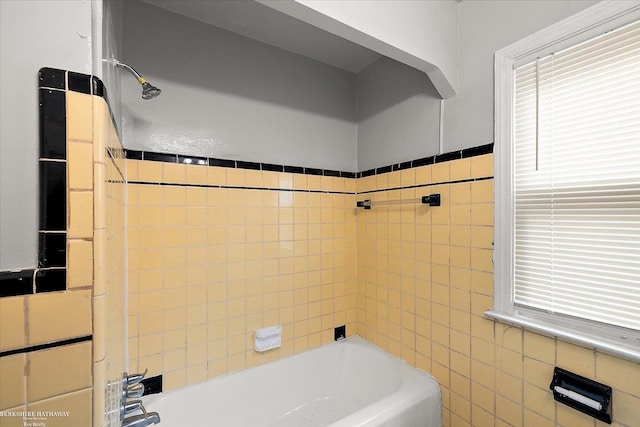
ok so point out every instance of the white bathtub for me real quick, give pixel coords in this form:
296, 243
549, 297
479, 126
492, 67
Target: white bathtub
349, 383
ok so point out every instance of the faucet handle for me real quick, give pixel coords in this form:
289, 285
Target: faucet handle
133, 406
143, 420
136, 378
135, 391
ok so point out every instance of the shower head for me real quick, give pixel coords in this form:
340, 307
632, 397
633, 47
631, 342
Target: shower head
149, 91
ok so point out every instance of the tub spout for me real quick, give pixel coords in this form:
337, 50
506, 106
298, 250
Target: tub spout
142, 420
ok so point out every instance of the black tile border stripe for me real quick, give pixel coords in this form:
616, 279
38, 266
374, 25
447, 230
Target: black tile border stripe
296, 190
272, 168
52, 250
248, 165
79, 82
237, 187
52, 122
50, 273
240, 164
15, 283
51, 280
46, 346
52, 179
431, 184
161, 157
191, 160
294, 169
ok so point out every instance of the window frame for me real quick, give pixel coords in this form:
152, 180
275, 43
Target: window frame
589, 23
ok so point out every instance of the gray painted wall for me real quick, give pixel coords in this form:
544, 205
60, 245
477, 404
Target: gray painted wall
111, 47
484, 27
33, 34
229, 96
398, 114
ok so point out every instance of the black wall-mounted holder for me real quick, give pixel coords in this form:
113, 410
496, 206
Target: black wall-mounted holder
583, 394
364, 204
152, 385
431, 200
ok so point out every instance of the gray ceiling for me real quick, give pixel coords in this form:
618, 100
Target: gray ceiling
260, 22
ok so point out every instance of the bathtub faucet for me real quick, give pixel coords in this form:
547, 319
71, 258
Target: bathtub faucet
132, 388
143, 420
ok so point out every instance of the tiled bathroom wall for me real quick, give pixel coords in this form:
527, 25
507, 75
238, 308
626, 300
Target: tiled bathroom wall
425, 278
218, 251
55, 353
109, 293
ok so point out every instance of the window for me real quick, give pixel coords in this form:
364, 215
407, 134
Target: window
568, 180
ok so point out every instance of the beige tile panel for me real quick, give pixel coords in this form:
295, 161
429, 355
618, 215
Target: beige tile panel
99, 327
101, 112
80, 214
539, 401
99, 392
539, 347
576, 359
80, 263
569, 417
534, 419
218, 176
59, 370
12, 381
80, 165
12, 323
99, 262
622, 375
100, 196
100, 127
150, 171
626, 408
59, 315
79, 116
459, 169
131, 169
77, 404
482, 166
440, 172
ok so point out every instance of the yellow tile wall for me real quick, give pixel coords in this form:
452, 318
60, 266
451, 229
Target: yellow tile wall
209, 265
425, 278
58, 378
108, 267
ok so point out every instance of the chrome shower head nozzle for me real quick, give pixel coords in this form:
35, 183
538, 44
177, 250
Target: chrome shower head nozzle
149, 91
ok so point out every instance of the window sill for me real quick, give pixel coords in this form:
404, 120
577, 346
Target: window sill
627, 349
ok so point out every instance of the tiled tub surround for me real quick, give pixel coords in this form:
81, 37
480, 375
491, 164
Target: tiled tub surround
53, 345
216, 252
425, 278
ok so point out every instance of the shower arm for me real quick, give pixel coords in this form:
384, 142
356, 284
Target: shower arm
149, 91
130, 69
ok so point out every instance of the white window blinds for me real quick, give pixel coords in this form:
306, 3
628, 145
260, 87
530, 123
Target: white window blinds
577, 181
